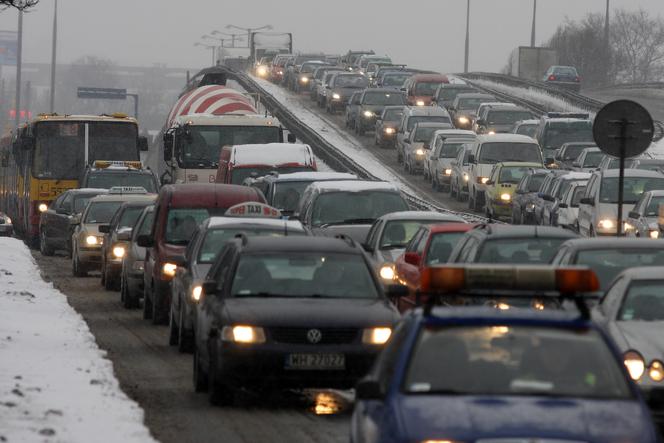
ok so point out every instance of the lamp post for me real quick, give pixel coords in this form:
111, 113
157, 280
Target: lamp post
248, 30
212, 47
532, 33
465, 61
234, 37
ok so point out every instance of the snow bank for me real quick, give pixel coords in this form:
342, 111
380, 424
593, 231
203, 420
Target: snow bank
55, 384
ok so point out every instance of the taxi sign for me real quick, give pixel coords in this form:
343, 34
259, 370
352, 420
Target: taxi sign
127, 190
103, 164
253, 209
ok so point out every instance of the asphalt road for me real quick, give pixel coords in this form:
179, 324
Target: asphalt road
160, 379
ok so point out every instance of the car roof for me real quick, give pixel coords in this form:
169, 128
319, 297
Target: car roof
425, 110
613, 243
525, 231
521, 164
451, 227
87, 191
475, 95
353, 186
140, 203
505, 138
631, 172
461, 133
383, 90
271, 154
429, 77
420, 215
119, 170
313, 175
300, 244
527, 122
574, 175
432, 125
123, 197
588, 144
644, 273
507, 107
218, 222
656, 192
209, 195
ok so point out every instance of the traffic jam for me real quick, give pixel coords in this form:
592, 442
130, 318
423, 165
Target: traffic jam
521, 298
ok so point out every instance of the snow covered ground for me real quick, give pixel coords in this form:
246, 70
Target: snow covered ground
55, 383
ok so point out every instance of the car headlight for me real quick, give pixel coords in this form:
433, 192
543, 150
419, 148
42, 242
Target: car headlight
368, 114
491, 132
482, 180
606, 224
304, 79
196, 293
463, 120
656, 371
389, 130
634, 364
336, 96
387, 272
138, 266
530, 207
261, 71
376, 336
118, 251
8, 221
280, 72
505, 197
465, 177
419, 151
628, 226
448, 172
420, 103
43, 207
92, 240
169, 269
243, 334
654, 234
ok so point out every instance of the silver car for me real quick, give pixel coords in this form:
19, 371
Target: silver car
133, 262
588, 160
642, 220
437, 161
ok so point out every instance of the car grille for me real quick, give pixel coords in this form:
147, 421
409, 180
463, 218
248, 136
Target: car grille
299, 335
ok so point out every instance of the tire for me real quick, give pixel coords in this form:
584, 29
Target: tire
158, 317
173, 331
78, 270
102, 281
185, 341
109, 283
124, 293
200, 378
147, 305
43, 245
219, 394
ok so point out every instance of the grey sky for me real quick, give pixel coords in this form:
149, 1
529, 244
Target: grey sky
427, 34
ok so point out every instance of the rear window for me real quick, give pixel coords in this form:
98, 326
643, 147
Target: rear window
101, 212
519, 250
426, 118
182, 223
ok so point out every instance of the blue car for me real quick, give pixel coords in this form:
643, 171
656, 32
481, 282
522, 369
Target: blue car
467, 374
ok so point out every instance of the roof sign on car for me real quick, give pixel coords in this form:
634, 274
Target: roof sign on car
127, 190
103, 164
253, 209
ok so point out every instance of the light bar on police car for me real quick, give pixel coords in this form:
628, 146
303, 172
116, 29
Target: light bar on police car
103, 164
253, 209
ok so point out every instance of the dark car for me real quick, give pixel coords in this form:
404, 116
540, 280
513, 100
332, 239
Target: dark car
526, 127
133, 262
289, 312
393, 78
492, 243
464, 108
545, 189
564, 77
501, 119
303, 74
447, 92
318, 77
569, 152
556, 129
387, 123
55, 228
340, 88
6, 225
523, 200
108, 174
371, 105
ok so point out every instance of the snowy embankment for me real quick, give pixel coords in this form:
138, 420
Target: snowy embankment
55, 382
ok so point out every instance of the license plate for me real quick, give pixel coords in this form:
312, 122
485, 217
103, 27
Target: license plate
316, 361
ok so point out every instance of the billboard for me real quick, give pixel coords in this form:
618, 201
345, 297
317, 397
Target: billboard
8, 47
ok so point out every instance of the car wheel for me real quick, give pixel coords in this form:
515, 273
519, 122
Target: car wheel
185, 339
147, 305
77, 268
43, 245
219, 393
200, 377
173, 332
109, 284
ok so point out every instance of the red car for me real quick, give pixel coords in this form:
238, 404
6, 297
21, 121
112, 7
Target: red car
421, 88
431, 245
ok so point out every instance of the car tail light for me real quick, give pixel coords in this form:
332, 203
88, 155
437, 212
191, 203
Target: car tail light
552, 78
577, 79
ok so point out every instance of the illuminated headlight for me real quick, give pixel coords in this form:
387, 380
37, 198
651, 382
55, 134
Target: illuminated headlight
336, 96
8, 221
463, 120
196, 293
502, 306
42, 207
654, 234
280, 72
118, 251
482, 180
261, 71
538, 305
376, 336
92, 240
628, 226
138, 266
169, 269
530, 207
419, 151
243, 334
420, 103
304, 79
368, 114
448, 172
465, 177
656, 371
389, 130
491, 132
606, 224
387, 272
505, 197
634, 364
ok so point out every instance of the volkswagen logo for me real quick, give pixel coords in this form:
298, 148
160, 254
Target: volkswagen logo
314, 336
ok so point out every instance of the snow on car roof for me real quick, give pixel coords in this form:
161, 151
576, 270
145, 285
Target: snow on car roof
90, 190
316, 176
217, 222
354, 186
576, 176
505, 138
422, 215
462, 133
272, 154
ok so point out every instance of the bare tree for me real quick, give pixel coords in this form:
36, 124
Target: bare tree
638, 39
18, 4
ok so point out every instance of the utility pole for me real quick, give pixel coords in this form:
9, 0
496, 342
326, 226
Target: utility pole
532, 33
465, 62
53, 56
248, 31
607, 44
606, 26
19, 56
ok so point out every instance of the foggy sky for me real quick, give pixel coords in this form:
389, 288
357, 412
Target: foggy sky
427, 34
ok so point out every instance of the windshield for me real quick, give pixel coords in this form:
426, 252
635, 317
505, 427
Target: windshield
650, 165
201, 147
441, 247
287, 194
558, 133
181, 223
507, 117
450, 150
653, 207
527, 129
593, 159
106, 180
383, 98
217, 237
449, 94
572, 152
240, 174
342, 207
426, 118
101, 212
515, 360
351, 81
644, 301
81, 201
426, 88
423, 135
306, 274
398, 233
535, 182
512, 174
524, 250
60, 146
146, 224
614, 163
471, 104
393, 115
565, 71
632, 189
577, 196
129, 217
510, 152
395, 79
608, 263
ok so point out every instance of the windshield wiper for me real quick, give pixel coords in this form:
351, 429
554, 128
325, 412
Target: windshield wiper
393, 246
350, 221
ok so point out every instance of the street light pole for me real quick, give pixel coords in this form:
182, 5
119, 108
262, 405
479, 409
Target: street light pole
53, 55
19, 57
606, 26
465, 62
532, 33
249, 31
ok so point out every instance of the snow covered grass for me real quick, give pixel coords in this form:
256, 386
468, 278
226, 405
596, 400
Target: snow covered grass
55, 383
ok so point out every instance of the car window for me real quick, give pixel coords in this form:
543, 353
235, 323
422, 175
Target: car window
65, 202
441, 247
345, 207
535, 182
653, 206
607, 263
494, 152
216, 238
398, 233
181, 223
101, 212
146, 224
633, 188
644, 301
526, 250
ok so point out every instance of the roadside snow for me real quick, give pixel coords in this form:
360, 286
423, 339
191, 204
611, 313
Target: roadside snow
55, 383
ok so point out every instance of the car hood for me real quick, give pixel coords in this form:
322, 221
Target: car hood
391, 255
356, 232
344, 92
470, 418
308, 312
610, 210
643, 336
376, 109
500, 128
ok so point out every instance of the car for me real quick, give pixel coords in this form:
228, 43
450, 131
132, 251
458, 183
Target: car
652, 164
609, 257
526, 127
291, 313
431, 245
487, 150
302, 79
352, 109
525, 194
105, 174
545, 189
421, 88
483, 108
564, 77
632, 312
558, 128
6, 226
386, 126
416, 146
340, 87
117, 234
372, 69
133, 262
349, 61
86, 239
501, 119
598, 209
642, 220
393, 79
565, 212
209, 239
464, 108
371, 105
283, 191
364, 60
588, 160
294, 66
460, 174
179, 210
478, 374
413, 115
278, 69
55, 224
239, 162
503, 181
390, 234
610, 162
493, 243
323, 86
318, 82
560, 185
348, 207
438, 159
447, 92
569, 152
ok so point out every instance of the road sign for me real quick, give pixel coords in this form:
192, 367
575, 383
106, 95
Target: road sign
8, 47
102, 93
623, 129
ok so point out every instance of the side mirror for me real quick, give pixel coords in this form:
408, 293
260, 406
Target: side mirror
412, 258
367, 389
367, 247
145, 241
576, 164
587, 201
634, 214
471, 159
142, 143
397, 291
105, 229
125, 235
547, 198
563, 205
479, 121
209, 287
168, 146
75, 220
61, 211
291, 138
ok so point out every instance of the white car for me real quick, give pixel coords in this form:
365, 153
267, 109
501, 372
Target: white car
588, 160
438, 159
566, 213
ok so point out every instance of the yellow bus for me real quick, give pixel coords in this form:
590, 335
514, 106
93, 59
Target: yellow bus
49, 155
